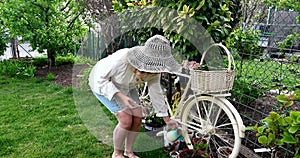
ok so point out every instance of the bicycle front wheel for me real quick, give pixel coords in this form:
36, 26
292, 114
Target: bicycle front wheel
208, 117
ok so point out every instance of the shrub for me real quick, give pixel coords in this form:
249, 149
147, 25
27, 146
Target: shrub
83, 60
50, 76
60, 60
281, 128
40, 61
245, 91
64, 60
15, 68
244, 42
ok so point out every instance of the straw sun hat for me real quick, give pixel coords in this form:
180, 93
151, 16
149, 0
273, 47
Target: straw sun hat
155, 56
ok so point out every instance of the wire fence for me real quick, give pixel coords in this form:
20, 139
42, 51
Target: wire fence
275, 71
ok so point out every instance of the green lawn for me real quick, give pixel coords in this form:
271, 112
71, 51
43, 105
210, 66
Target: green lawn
269, 73
41, 119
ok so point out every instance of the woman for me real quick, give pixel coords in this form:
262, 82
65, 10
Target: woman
113, 81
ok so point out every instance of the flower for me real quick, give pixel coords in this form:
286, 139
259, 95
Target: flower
191, 65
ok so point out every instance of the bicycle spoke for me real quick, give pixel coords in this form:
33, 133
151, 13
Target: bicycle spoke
226, 140
195, 124
198, 110
227, 124
190, 126
213, 120
217, 116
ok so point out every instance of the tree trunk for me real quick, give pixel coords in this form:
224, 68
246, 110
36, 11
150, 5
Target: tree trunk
51, 58
14, 48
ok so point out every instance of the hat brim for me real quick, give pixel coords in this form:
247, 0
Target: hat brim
137, 58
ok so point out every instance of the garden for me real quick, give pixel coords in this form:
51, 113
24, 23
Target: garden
44, 100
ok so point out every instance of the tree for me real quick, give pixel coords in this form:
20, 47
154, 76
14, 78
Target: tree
3, 39
217, 17
102, 13
53, 26
179, 21
254, 11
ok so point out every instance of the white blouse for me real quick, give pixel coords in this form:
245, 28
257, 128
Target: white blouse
114, 74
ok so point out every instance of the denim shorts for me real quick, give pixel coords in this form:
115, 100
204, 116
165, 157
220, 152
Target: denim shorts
112, 105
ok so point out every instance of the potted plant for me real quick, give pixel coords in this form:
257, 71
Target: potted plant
200, 143
152, 122
192, 153
281, 128
224, 151
199, 151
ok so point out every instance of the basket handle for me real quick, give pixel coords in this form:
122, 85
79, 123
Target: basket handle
230, 58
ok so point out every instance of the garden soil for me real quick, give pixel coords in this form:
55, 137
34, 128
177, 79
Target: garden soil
65, 75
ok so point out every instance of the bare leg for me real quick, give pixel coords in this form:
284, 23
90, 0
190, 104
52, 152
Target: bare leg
135, 128
121, 131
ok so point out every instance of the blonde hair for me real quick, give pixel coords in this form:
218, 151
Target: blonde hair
141, 76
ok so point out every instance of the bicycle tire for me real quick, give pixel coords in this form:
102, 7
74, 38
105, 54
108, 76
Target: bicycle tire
216, 123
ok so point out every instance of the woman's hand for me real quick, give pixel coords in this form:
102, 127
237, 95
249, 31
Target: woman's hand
126, 100
170, 123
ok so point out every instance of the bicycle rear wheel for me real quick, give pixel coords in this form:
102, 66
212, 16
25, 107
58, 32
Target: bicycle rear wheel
208, 117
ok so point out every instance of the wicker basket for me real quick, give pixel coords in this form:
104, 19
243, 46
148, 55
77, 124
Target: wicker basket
215, 81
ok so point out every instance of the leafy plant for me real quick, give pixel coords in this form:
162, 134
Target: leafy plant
294, 58
153, 120
50, 76
15, 68
177, 20
40, 61
288, 42
3, 40
65, 60
246, 90
200, 146
282, 127
244, 41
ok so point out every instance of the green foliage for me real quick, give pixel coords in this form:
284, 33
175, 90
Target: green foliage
3, 45
50, 76
294, 58
15, 68
3, 38
215, 16
244, 42
179, 21
40, 61
282, 128
246, 91
60, 60
153, 119
54, 26
253, 78
65, 60
288, 42
83, 60
3, 41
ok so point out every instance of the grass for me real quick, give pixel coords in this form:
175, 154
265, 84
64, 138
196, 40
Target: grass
270, 74
41, 119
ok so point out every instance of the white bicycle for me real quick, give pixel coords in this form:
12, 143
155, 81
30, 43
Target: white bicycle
206, 112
